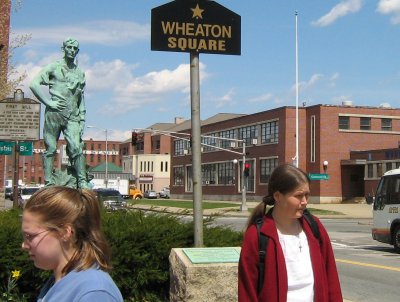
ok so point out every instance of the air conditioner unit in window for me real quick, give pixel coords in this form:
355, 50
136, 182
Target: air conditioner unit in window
254, 141
207, 182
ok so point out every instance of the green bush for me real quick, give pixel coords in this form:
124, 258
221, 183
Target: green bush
12, 257
141, 244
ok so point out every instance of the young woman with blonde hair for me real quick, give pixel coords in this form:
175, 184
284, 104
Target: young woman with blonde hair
62, 232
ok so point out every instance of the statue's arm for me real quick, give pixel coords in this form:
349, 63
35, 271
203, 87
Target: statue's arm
40, 80
36, 88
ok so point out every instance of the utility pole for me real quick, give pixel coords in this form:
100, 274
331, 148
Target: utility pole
243, 206
196, 149
16, 175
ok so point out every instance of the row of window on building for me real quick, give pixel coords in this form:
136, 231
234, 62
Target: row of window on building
365, 123
148, 166
223, 173
232, 138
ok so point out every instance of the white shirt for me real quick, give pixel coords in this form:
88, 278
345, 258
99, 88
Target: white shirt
298, 266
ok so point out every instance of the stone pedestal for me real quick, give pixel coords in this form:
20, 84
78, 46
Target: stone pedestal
198, 282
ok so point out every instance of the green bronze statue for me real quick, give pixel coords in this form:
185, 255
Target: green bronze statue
65, 112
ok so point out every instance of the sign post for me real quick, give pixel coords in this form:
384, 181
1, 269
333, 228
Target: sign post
16, 176
19, 126
195, 26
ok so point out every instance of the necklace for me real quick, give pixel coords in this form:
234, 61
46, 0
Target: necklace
298, 237
295, 234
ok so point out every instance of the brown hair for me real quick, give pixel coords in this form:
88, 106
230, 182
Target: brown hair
58, 207
284, 179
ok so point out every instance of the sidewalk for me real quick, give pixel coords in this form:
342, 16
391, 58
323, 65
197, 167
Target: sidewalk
354, 211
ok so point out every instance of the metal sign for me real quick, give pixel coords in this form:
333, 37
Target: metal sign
25, 148
322, 176
6, 148
195, 26
19, 120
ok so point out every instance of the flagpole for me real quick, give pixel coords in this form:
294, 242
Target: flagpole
297, 99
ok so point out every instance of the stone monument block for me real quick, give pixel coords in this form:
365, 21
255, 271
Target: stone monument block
204, 274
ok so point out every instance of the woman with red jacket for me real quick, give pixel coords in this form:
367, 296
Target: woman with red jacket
299, 267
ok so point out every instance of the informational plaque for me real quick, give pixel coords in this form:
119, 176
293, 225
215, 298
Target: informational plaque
19, 120
212, 254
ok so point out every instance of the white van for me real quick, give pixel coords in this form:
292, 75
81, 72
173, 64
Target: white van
386, 210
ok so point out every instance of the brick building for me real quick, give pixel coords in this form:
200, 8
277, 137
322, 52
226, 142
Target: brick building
31, 167
326, 134
149, 158
4, 41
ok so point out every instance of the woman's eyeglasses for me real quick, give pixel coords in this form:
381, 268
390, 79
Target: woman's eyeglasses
30, 237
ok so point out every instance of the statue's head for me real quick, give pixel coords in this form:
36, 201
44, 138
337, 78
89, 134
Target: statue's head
71, 41
70, 47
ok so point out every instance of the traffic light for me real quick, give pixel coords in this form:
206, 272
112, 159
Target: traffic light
134, 138
246, 171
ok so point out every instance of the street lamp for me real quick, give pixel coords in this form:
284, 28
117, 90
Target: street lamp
106, 132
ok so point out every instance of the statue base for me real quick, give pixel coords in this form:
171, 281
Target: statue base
69, 178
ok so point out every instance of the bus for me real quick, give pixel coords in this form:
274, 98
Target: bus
386, 214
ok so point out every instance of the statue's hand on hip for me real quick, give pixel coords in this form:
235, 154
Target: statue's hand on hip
56, 105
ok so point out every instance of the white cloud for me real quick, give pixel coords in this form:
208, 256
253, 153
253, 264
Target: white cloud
226, 99
314, 79
108, 75
390, 7
333, 79
104, 32
152, 87
340, 10
261, 98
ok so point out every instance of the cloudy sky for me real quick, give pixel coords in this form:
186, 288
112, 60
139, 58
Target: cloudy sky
347, 50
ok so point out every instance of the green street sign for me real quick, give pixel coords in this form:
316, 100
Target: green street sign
25, 148
6, 148
316, 176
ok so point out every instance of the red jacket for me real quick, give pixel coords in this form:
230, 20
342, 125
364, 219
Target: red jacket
326, 279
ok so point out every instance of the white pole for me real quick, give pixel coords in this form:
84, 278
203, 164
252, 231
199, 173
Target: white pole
5, 170
297, 99
243, 206
106, 157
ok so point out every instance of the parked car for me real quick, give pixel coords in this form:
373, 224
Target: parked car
150, 194
164, 193
111, 199
27, 192
9, 193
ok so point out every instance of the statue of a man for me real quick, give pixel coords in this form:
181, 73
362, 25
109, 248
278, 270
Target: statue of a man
65, 111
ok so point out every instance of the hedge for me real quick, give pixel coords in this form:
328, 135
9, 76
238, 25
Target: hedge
140, 242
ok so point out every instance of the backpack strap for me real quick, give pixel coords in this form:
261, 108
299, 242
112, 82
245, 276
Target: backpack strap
262, 251
313, 224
